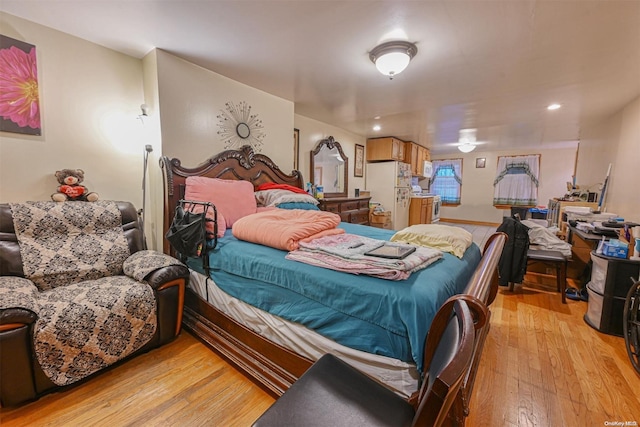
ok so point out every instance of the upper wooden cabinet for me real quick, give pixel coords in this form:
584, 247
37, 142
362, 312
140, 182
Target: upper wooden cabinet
381, 149
415, 155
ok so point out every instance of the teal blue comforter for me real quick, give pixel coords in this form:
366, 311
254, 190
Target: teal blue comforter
389, 318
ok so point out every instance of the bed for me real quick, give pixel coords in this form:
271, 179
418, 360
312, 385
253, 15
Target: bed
275, 351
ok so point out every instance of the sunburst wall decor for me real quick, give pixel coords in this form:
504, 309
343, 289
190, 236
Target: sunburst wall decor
239, 127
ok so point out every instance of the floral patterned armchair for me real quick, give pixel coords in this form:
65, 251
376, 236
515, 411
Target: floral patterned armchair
78, 293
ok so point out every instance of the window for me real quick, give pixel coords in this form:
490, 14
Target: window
447, 180
516, 183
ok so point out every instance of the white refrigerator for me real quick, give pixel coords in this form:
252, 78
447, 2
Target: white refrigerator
390, 185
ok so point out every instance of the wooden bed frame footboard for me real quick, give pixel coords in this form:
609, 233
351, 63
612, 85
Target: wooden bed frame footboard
270, 365
483, 285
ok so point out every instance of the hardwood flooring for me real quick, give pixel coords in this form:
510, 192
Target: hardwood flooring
542, 366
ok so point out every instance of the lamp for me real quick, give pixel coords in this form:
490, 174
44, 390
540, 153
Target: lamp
391, 58
147, 149
466, 140
466, 148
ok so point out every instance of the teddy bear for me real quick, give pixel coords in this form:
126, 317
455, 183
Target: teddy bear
70, 187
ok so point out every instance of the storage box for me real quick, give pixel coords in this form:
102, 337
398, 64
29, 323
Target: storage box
537, 213
605, 313
380, 217
365, 193
384, 225
615, 248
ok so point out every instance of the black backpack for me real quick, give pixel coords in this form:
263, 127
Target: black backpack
187, 234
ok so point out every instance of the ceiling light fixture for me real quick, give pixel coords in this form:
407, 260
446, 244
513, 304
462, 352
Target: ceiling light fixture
391, 58
553, 107
467, 140
376, 128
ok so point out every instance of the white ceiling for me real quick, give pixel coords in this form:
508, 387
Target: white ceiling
490, 65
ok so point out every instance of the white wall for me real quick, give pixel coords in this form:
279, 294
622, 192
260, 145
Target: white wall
89, 99
615, 141
313, 131
556, 168
192, 97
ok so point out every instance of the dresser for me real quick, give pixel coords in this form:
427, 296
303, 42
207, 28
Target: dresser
351, 209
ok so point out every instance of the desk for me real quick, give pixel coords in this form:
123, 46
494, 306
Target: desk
581, 246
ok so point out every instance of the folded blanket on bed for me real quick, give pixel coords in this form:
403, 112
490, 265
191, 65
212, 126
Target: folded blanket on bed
346, 253
284, 228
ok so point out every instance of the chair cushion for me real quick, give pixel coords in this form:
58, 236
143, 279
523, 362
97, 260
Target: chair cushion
543, 255
87, 326
332, 393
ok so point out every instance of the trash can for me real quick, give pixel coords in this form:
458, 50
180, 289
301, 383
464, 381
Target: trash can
522, 212
537, 213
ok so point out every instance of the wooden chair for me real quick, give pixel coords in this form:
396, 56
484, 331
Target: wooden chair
553, 259
332, 393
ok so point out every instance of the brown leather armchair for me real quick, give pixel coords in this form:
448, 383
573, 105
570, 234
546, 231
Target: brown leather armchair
30, 358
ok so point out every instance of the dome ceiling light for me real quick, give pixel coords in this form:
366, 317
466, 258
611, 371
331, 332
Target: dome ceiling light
467, 140
391, 58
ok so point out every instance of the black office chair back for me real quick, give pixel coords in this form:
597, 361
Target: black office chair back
448, 353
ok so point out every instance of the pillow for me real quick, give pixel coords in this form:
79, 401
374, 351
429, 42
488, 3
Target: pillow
454, 240
275, 197
274, 186
233, 199
297, 205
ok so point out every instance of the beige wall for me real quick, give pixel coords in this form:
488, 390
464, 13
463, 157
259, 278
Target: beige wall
556, 168
615, 141
89, 99
192, 97
313, 131
155, 197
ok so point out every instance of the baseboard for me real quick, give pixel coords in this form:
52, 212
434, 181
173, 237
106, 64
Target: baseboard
465, 221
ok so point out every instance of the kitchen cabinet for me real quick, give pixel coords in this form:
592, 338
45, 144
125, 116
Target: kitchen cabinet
354, 210
415, 155
420, 210
382, 149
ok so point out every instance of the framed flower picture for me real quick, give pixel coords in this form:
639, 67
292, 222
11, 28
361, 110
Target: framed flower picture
20, 100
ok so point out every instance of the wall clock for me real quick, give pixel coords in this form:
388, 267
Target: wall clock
238, 127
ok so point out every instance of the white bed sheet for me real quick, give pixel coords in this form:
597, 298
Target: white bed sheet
399, 376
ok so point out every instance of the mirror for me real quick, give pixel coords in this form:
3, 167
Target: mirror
243, 130
329, 168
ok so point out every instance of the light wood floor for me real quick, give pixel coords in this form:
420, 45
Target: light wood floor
542, 366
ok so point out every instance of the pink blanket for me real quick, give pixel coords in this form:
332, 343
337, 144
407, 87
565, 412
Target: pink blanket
285, 228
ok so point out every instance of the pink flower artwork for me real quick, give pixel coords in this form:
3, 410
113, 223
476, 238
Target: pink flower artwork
19, 99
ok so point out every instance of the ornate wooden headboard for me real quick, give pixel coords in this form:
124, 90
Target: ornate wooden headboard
242, 164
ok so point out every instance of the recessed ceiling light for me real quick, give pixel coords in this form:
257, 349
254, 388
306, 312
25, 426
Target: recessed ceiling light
553, 107
376, 118
376, 128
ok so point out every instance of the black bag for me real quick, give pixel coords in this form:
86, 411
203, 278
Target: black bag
187, 234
